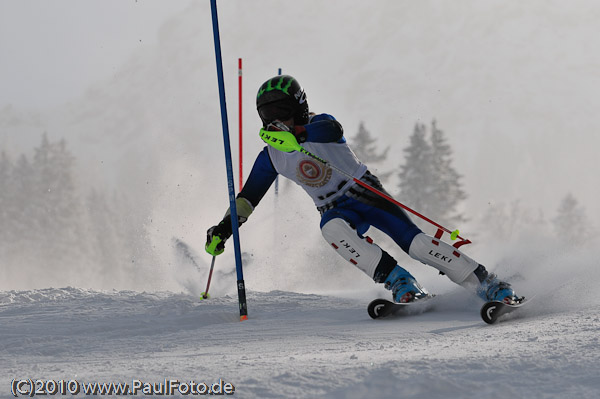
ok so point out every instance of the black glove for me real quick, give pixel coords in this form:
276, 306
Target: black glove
216, 237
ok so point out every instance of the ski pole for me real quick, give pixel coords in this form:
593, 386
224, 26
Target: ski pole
285, 141
205, 295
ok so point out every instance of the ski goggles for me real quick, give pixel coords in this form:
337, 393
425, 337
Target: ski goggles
275, 111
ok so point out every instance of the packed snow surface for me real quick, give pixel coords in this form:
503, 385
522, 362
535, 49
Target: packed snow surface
299, 345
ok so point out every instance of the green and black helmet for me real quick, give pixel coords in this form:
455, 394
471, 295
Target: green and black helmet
282, 98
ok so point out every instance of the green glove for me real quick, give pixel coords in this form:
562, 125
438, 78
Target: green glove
215, 247
216, 237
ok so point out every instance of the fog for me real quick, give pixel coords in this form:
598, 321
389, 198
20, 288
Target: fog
132, 88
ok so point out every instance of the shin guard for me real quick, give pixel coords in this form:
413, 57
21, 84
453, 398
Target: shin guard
362, 252
444, 257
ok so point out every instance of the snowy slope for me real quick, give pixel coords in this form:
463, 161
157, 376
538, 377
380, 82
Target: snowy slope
298, 345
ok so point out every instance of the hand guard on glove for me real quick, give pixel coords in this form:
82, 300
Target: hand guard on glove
298, 131
216, 237
282, 137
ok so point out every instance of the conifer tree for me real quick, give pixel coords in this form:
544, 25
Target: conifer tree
47, 230
5, 197
364, 145
22, 226
428, 181
447, 192
571, 223
415, 174
57, 207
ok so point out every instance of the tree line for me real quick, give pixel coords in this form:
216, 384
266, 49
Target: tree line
48, 222
429, 183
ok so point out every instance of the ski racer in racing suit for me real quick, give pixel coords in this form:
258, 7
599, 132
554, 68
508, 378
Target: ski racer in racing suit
347, 209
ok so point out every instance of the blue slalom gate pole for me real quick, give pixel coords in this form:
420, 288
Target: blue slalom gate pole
230, 183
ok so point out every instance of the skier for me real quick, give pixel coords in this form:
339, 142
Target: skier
347, 209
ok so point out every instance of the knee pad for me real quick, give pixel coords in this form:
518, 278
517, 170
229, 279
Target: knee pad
362, 252
444, 257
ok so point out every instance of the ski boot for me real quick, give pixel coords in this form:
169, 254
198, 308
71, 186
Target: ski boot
492, 289
404, 287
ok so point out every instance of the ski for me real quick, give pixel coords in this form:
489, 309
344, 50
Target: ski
493, 310
380, 308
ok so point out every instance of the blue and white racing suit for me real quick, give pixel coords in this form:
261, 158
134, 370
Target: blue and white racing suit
347, 209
